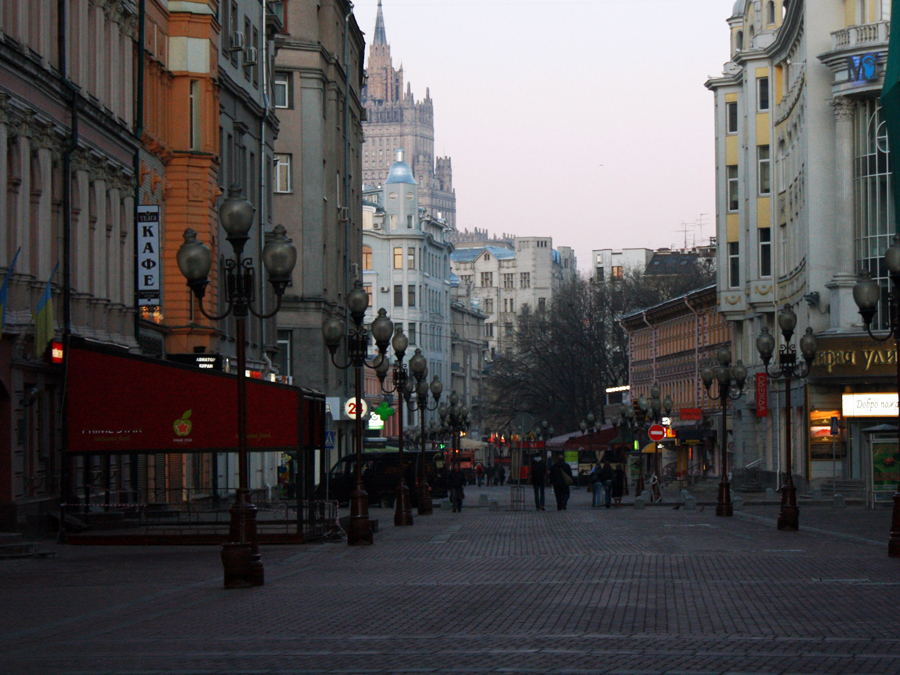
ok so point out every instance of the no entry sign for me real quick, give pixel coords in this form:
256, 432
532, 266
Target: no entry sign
657, 432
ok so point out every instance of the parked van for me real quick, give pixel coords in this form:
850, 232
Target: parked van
380, 474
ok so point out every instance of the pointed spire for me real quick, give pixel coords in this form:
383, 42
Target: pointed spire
380, 34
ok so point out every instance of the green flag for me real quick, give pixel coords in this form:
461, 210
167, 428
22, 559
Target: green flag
890, 104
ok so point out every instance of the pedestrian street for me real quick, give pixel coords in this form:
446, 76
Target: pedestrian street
586, 590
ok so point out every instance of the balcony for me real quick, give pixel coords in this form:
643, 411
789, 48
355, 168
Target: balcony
866, 35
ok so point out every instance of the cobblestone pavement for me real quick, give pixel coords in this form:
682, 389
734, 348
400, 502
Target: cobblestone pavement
579, 591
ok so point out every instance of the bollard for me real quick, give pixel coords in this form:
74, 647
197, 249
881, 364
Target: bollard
839, 502
494, 505
684, 495
690, 504
817, 493
770, 494
483, 499
737, 503
639, 503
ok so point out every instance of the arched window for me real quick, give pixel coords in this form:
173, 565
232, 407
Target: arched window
770, 12
739, 41
367, 258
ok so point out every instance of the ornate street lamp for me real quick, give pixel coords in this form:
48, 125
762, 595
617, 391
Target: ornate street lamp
653, 410
419, 367
731, 381
360, 530
866, 294
787, 368
454, 420
240, 556
402, 386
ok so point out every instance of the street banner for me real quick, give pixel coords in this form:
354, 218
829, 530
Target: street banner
122, 403
694, 414
762, 395
43, 317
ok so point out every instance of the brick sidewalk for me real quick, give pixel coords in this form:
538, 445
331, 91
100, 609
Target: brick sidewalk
580, 591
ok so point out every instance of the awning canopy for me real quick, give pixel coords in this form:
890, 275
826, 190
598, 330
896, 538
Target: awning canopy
471, 444
120, 403
601, 439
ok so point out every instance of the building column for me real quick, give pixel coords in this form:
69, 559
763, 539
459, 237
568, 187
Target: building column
844, 313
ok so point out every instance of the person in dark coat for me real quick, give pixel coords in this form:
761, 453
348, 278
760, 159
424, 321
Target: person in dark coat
561, 478
606, 480
538, 480
618, 484
501, 475
457, 483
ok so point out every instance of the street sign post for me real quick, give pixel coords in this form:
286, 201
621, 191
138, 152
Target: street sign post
657, 432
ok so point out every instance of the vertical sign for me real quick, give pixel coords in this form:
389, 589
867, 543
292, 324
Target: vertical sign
148, 271
762, 395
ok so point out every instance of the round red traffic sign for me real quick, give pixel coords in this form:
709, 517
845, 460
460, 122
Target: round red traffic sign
657, 432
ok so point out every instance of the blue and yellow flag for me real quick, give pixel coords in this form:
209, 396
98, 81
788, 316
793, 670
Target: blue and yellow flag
890, 104
43, 318
4, 291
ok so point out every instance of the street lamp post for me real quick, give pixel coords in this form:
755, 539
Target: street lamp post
731, 381
240, 556
360, 530
419, 367
866, 294
786, 369
455, 420
402, 386
626, 412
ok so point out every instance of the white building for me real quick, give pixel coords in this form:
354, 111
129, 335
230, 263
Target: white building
803, 202
506, 281
406, 267
610, 264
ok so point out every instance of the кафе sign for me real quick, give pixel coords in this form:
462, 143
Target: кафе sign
853, 357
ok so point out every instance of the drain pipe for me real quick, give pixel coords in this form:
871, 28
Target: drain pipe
70, 91
139, 135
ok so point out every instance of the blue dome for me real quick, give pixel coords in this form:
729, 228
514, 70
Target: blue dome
400, 173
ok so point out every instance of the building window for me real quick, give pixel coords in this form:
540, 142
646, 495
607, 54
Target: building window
731, 118
765, 252
282, 173
411, 333
509, 281
739, 41
411, 258
411, 296
765, 170
398, 258
368, 289
196, 118
367, 258
489, 330
487, 279
732, 175
398, 295
488, 305
599, 274
542, 304
409, 222
508, 329
618, 273
770, 12
734, 265
283, 360
762, 94
525, 280
281, 90
782, 166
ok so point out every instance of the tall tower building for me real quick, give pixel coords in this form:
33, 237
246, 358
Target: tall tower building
396, 120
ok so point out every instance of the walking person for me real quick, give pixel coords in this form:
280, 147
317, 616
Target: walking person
538, 481
618, 484
596, 485
479, 474
457, 483
561, 477
606, 480
501, 475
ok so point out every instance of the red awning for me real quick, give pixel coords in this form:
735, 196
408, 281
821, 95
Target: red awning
598, 440
121, 403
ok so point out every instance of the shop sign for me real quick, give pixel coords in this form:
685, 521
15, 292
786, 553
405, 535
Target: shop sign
762, 395
862, 68
848, 357
148, 261
870, 405
695, 414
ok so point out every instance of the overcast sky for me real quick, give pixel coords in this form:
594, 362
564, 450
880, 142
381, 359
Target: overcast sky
585, 120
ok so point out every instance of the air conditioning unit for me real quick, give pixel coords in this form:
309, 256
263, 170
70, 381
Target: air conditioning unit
237, 41
343, 214
250, 56
385, 289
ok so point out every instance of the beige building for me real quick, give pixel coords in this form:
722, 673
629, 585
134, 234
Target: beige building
468, 349
394, 119
505, 281
316, 93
